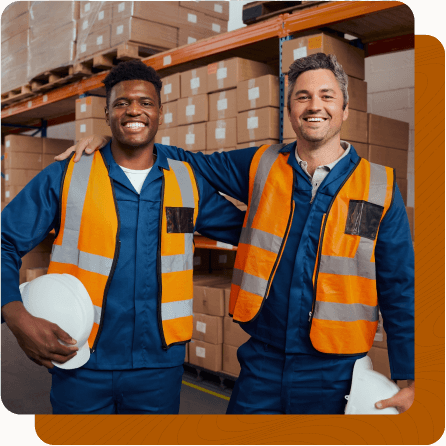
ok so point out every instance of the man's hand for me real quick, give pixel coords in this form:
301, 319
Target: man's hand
402, 400
37, 337
88, 144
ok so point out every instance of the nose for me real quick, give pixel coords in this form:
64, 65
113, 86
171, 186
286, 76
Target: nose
315, 104
133, 109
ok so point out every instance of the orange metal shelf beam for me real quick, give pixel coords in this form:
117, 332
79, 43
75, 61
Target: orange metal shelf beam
332, 13
203, 242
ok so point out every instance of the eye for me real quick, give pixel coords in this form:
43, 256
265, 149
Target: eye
147, 103
120, 104
302, 98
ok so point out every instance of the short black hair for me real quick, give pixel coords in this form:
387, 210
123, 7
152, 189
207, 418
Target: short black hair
132, 70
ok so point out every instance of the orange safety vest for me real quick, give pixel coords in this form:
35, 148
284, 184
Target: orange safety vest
344, 317
87, 245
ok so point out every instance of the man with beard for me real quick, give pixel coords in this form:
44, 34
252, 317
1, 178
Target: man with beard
325, 243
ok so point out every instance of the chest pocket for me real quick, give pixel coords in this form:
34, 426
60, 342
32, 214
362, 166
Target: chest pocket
180, 220
363, 219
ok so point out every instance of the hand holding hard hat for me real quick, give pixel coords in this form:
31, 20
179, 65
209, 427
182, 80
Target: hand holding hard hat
59, 310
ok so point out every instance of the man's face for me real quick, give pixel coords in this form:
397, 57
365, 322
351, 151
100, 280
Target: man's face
316, 112
133, 112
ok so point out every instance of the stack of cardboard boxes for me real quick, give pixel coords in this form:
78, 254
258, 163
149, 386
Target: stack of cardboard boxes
90, 117
15, 36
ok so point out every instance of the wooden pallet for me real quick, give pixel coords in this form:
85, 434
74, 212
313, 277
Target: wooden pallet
16, 94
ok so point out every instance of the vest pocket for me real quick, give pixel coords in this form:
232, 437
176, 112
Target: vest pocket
363, 218
180, 220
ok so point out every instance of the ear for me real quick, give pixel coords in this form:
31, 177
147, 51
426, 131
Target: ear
160, 118
344, 118
107, 117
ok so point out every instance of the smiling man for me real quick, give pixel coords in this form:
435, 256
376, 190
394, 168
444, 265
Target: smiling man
325, 241
134, 202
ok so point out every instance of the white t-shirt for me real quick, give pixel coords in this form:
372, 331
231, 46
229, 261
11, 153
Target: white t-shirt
136, 177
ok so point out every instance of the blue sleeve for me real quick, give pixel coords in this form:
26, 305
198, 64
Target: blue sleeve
26, 221
217, 218
228, 172
394, 257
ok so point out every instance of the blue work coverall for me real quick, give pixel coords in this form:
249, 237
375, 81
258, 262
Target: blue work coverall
129, 372
281, 372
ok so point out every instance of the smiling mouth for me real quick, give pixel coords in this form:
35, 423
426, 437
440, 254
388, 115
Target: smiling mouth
134, 125
315, 119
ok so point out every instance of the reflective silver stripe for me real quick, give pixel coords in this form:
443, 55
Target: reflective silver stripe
378, 184
97, 314
248, 282
174, 310
334, 311
184, 182
179, 262
344, 266
68, 252
261, 239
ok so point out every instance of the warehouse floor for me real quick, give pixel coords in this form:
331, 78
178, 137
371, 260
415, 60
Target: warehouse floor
25, 387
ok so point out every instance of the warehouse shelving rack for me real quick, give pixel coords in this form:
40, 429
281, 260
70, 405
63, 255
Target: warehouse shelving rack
381, 26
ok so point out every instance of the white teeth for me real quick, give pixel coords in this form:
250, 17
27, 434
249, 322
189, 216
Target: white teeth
315, 119
134, 125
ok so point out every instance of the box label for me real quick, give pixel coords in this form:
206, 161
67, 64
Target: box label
190, 138
300, 52
167, 60
167, 88
194, 82
201, 327
190, 110
222, 104
253, 123
220, 133
8, 143
200, 352
216, 28
218, 8
87, 7
168, 118
83, 48
191, 40
120, 29
315, 42
7, 196
165, 140
192, 18
222, 73
84, 24
99, 40
83, 128
224, 245
83, 108
7, 177
121, 7
253, 93
101, 15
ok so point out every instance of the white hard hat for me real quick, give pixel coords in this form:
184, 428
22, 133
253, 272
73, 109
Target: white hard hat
63, 300
369, 387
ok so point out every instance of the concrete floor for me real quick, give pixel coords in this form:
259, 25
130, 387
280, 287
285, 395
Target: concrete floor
25, 386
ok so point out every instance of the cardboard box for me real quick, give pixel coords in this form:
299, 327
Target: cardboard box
350, 57
47, 159
11, 192
215, 9
33, 259
258, 143
388, 132
355, 127
167, 137
380, 360
92, 126
97, 41
166, 13
14, 70
231, 366
233, 333
209, 298
214, 25
15, 44
22, 143
135, 30
171, 88
188, 35
201, 260
258, 93
170, 115
402, 186
361, 149
380, 339
192, 137
223, 105
411, 217
193, 110
11, 28
221, 133
90, 107
208, 328
228, 73
55, 146
14, 10
222, 259
194, 82
258, 124
208, 356
193, 20
34, 273
389, 157
22, 160
98, 15
288, 132
357, 94
19, 177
